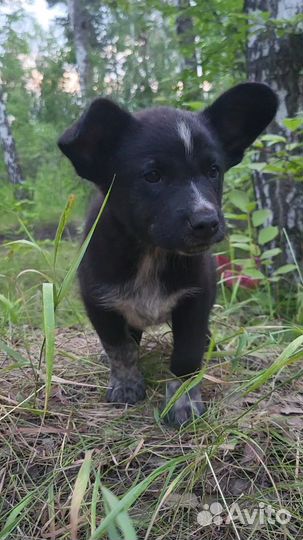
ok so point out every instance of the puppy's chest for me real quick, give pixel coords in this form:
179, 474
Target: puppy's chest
144, 301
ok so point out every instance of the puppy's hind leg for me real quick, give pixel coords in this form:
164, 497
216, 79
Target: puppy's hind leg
121, 343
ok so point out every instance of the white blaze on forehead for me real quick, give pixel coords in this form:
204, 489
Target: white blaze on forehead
199, 201
185, 135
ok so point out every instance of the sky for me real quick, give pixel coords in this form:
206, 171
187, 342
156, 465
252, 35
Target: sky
42, 12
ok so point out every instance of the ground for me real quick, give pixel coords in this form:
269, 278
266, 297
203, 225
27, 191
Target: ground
246, 450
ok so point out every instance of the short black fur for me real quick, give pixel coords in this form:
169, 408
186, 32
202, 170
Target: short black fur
149, 258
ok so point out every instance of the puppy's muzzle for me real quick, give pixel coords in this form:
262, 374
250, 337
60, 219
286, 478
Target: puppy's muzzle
204, 224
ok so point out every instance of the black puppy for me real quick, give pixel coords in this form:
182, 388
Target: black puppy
149, 258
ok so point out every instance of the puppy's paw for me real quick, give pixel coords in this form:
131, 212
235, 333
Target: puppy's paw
127, 389
186, 408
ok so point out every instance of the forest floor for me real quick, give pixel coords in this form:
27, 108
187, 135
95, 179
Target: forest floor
235, 473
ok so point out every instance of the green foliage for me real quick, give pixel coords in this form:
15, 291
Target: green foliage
137, 58
85, 471
284, 153
267, 234
25, 266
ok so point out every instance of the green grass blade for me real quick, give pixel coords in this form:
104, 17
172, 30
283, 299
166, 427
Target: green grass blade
112, 530
93, 508
7, 303
291, 249
134, 493
64, 218
30, 244
65, 286
122, 519
24, 243
222, 495
287, 357
26, 230
49, 332
20, 359
14, 517
79, 492
170, 487
33, 271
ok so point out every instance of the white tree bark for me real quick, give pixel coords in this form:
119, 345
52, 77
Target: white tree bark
80, 26
8, 144
186, 35
278, 61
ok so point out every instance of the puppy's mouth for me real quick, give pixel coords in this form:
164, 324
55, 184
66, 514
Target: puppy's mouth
186, 244
198, 249
195, 250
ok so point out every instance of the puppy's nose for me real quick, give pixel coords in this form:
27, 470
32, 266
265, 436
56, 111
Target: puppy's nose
206, 222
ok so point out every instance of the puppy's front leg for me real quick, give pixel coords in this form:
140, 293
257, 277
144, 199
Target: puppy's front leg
126, 384
121, 343
190, 331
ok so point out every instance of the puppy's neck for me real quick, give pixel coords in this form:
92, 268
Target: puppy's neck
150, 264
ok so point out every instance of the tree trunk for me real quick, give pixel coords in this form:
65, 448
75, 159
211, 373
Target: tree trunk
186, 35
80, 26
8, 144
185, 31
278, 61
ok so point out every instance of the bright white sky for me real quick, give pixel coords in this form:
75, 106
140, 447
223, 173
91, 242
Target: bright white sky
42, 12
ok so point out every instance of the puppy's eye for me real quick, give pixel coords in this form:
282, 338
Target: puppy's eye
152, 176
213, 171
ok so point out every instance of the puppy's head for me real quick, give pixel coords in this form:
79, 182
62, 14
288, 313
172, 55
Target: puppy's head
168, 164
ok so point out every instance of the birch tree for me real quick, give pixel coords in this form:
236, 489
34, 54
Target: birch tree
8, 144
79, 21
186, 36
275, 56
185, 31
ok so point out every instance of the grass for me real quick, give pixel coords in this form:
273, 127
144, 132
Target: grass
74, 467
161, 476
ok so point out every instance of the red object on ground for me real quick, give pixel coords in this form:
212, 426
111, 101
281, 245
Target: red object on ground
231, 274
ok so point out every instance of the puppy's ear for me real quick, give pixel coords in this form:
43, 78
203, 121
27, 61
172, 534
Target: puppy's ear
239, 115
90, 142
